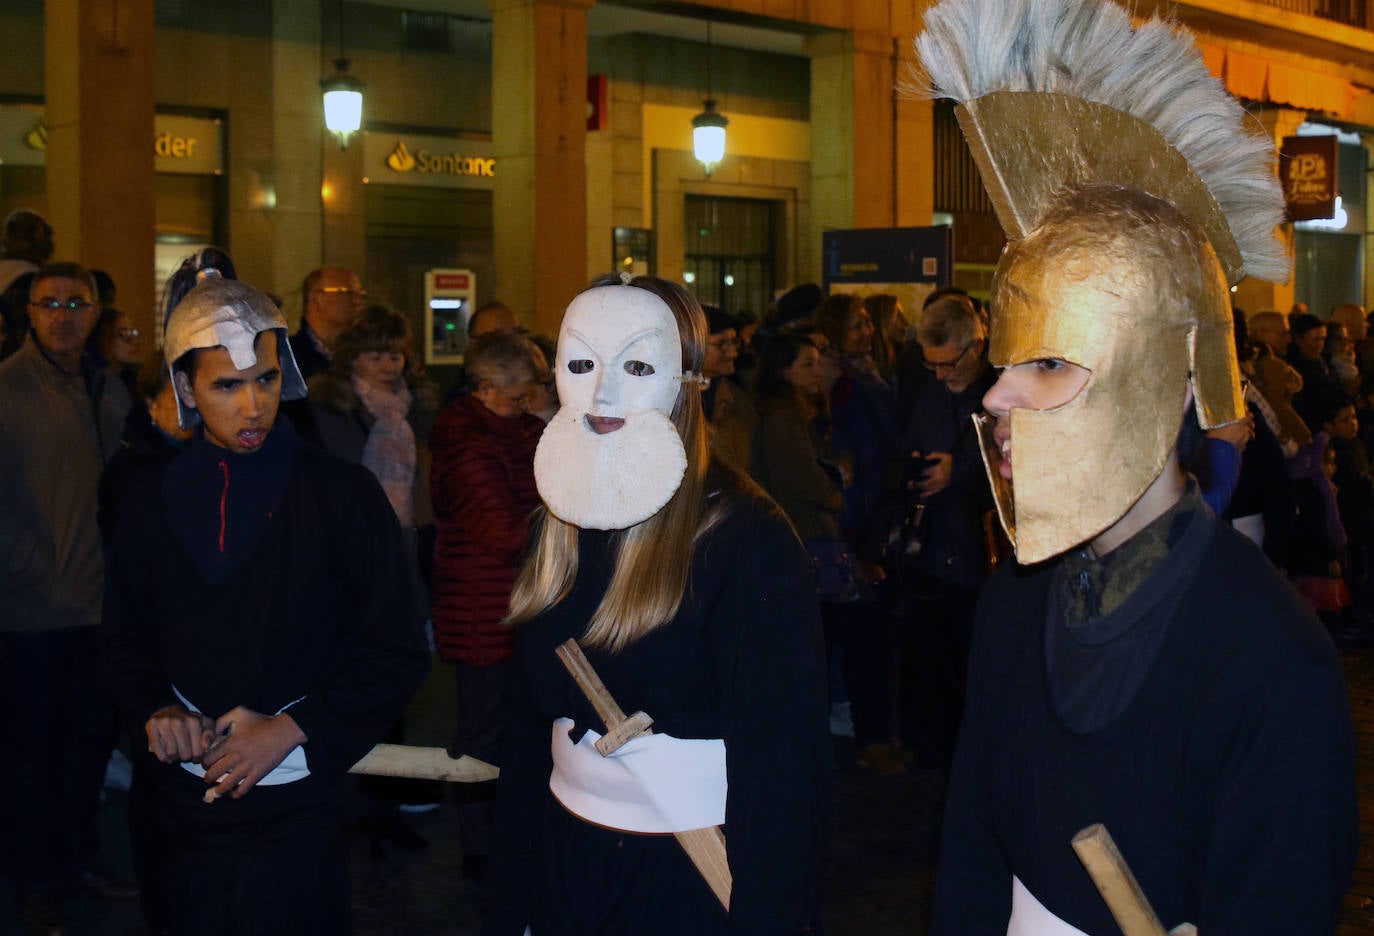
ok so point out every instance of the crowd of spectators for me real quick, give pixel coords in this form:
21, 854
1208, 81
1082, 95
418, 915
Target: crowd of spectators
1304, 487
855, 418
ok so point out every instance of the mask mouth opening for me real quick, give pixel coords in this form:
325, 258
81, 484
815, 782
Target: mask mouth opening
602, 425
985, 425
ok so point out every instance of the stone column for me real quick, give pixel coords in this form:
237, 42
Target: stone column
99, 102
539, 134
914, 149
291, 228
854, 170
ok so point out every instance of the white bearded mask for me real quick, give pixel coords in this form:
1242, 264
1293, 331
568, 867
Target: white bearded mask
611, 457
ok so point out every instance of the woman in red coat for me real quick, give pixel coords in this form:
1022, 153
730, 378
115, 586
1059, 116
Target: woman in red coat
482, 484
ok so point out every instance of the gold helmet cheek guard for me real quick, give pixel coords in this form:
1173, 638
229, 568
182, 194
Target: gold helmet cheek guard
1146, 311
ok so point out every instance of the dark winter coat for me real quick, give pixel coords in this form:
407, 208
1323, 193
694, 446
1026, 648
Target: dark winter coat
263, 580
735, 421
1228, 780
954, 547
308, 357
868, 430
144, 451
787, 465
57, 430
482, 485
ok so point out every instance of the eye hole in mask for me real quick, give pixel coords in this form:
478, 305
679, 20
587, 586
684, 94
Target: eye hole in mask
638, 368
582, 366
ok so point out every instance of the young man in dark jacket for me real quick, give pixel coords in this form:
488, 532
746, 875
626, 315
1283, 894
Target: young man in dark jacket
257, 601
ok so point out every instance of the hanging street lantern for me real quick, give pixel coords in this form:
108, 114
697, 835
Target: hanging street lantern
708, 127
343, 102
708, 136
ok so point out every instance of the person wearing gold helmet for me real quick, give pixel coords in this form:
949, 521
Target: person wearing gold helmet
1141, 665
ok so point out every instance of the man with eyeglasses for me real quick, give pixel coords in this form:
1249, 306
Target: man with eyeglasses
944, 573
331, 298
60, 422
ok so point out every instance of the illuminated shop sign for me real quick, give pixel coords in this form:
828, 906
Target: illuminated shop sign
443, 162
182, 145
1309, 172
402, 160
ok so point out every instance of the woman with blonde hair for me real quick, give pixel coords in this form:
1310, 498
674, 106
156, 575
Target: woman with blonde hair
690, 595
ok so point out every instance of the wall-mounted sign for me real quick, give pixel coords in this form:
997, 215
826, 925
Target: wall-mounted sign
1308, 171
909, 263
185, 145
442, 162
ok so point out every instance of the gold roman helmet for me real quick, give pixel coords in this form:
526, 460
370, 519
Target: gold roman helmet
1132, 196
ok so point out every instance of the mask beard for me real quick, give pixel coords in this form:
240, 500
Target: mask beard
611, 481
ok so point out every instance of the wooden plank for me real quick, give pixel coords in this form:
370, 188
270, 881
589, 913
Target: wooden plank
415, 763
423, 763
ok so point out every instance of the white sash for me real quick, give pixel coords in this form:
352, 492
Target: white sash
1030, 918
654, 783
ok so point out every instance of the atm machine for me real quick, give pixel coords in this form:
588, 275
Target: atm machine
450, 297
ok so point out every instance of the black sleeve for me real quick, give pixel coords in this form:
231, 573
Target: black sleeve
384, 660
526, 763
134, 668
972, 882
1285, 828
777, 743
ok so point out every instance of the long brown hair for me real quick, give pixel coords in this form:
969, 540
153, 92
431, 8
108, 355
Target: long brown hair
653, 559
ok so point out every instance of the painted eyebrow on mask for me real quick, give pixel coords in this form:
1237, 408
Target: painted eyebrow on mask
637, 336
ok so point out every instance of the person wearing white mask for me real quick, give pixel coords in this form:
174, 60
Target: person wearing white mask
691, 597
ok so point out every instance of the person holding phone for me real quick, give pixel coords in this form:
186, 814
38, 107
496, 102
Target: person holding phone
942, 579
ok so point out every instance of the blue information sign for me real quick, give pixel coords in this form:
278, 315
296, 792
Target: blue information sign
889, 255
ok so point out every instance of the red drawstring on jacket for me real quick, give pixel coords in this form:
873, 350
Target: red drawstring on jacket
223, 501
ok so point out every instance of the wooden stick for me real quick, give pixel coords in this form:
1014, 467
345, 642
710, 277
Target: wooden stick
580, 669
705, 847
415, 763
1118, 885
